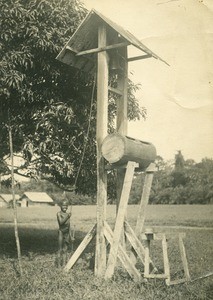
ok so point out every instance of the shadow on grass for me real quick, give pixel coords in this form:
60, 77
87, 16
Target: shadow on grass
33, 241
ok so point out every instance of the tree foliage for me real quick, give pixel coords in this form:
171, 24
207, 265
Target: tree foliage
46, 103
192, 185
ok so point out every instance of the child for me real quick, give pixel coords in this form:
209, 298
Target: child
64, 232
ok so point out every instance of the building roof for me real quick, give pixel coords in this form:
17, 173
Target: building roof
37, 197
86, 38
9, 197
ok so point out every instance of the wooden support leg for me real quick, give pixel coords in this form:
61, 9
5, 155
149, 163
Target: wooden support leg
120, 219
122, 255
120, 182
90, 235
147, 258
166, 260
143, 205
184, 259
139, 249
144, 199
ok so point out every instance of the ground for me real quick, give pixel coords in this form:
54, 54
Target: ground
42, 280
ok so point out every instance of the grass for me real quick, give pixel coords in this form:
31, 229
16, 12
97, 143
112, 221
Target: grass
42, 280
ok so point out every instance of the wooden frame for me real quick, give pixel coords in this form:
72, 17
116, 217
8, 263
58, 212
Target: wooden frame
77, 53
147, 237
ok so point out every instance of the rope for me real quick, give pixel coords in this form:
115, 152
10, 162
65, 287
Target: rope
88, 130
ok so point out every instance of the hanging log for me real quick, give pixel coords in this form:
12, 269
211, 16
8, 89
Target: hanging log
118, 150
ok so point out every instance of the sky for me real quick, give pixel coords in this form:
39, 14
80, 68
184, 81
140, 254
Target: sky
179, 97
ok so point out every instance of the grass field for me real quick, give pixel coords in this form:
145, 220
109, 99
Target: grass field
42, 280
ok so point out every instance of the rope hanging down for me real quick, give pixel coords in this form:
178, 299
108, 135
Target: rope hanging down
87, 133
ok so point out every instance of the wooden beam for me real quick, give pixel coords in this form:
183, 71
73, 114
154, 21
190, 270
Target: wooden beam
71, 49
157, 276
144, 200
116, 91
142, 208
183, 258
104, 48
139, 57
147, 258
87, 239
134, 241
166, 259
159, 236
122, 103
101, 132
122, 255
177, 281
121, 124
137, 245
120, 219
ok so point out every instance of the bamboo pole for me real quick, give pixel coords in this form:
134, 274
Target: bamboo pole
14, 202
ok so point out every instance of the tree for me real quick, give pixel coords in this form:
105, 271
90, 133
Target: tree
179, 178
45, 103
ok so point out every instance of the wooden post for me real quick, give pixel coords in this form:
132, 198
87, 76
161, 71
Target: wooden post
101, 127
122, 124
122, 117
120, 219
144, 199
166, 259
183, 257
122, 101
122, 255
147, 258
143, 205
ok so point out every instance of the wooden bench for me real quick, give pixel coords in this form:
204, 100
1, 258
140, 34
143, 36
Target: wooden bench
147, 237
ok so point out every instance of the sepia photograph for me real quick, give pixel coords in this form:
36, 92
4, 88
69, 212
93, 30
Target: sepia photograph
106, 157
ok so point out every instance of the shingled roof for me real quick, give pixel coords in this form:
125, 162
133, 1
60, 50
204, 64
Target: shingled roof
86, 38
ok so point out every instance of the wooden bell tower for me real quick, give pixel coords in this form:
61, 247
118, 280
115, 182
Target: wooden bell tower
99, 45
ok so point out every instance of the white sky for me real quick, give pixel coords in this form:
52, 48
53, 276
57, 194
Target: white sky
179, 98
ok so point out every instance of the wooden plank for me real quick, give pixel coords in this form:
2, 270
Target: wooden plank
139, 57
122, 255
166, 259
157, 276
142, 208
159, 236
121, 125
116, 91
87, 239
136, 244
144, 201
184, 258
120, 219
177, 281
101, 132
71, 49
104, 48
122, 119
147, 259
134, 241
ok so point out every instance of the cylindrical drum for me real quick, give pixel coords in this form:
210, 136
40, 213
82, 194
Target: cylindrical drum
118, 150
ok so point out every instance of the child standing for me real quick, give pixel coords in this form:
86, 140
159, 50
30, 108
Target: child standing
64, 232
